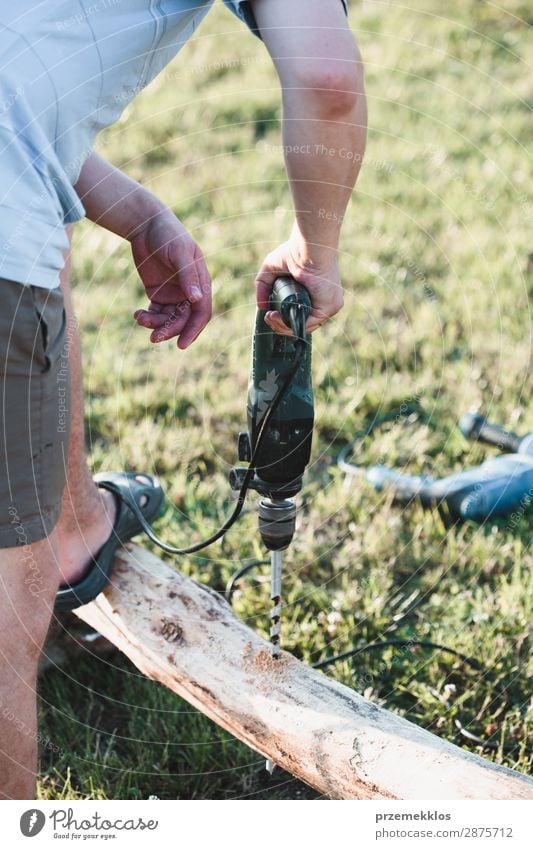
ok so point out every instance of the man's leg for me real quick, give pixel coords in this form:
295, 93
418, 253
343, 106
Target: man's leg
29, 578
34, 392
38, 550
88, 513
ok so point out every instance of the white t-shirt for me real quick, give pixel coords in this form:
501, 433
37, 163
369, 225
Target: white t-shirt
69, 68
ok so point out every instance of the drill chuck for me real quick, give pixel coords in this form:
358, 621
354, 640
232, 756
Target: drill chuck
277, 522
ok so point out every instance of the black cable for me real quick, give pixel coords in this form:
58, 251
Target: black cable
300, 343
471, 661
381, 644
231, 585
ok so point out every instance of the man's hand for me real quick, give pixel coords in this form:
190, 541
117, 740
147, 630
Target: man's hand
319, 276
169, 261
175, 276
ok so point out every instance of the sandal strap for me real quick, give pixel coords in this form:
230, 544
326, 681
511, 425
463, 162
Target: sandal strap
126, 526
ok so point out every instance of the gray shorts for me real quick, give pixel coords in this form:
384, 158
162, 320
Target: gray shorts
35, 399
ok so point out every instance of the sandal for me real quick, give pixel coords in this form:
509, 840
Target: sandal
148, 494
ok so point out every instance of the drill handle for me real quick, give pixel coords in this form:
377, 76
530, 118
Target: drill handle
474, 426
292, 301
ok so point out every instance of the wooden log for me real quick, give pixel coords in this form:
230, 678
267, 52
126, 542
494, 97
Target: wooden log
185, 636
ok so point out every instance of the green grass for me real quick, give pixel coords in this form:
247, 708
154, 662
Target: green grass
435, 264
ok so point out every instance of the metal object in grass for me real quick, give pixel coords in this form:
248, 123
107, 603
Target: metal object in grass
499, 487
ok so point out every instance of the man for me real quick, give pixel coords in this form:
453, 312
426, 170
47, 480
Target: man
67, 71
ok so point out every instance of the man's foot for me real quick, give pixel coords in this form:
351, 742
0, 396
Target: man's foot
88, 554
78, 545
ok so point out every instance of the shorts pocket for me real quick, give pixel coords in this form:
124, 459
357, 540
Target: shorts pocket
52, 321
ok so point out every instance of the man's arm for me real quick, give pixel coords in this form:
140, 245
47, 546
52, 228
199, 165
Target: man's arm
169, 261
324, 133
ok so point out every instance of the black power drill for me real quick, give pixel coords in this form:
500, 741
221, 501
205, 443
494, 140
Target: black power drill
279, 363
286, 445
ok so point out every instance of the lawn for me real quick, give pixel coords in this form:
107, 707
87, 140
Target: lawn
434, 259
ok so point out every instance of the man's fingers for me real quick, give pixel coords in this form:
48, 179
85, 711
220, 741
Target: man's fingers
165, 320
313, 324
263, 288
204, 278
146, 318
276, 323
200, 311
187, 318
173, 326
158, 314
198, 320
317, 318
187, 271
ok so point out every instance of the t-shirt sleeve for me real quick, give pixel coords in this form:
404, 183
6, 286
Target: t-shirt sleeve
243, 10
